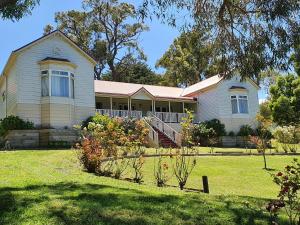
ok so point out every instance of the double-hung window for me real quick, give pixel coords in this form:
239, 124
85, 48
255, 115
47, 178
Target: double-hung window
239, 104
57, 83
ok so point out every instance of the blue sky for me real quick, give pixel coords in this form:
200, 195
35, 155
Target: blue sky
16, 34
154, 42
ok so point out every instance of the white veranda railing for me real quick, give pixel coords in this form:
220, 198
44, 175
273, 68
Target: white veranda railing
165, 128
153, 135
170, 117
120, 113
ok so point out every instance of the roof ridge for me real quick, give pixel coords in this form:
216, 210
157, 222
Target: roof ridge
143, 85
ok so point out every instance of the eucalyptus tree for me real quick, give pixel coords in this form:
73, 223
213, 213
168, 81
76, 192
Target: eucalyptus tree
253, 35
107, 29
191, 58
16, 9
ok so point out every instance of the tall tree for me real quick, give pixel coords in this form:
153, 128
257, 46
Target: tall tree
109, 30
253, 34
191, 58
16, 9
296, 58
285, 100
137, 72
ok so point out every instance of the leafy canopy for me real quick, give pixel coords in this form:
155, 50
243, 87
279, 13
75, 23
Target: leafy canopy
107, 29
190, 58
285, 100
253, 35
16, 9
135, 71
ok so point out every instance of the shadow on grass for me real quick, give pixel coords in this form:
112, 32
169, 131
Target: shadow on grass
73, 203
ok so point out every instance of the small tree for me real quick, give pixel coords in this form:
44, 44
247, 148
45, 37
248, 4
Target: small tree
288, 197
184, 161
262, 138
137, 164
161, 168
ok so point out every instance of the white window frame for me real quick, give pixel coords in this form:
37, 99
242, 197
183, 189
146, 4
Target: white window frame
237, 96
70, 76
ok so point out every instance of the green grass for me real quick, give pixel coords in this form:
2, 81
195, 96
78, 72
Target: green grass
49, 187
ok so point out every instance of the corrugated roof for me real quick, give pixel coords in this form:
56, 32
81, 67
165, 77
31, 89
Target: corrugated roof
120, 88
202, 85
128, 89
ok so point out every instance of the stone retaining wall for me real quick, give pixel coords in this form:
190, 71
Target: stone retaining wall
23, 138
57, 137
41, 138
236, 141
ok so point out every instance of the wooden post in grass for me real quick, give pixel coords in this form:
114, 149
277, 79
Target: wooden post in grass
205, 184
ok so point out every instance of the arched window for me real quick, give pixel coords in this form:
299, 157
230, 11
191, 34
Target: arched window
57, 83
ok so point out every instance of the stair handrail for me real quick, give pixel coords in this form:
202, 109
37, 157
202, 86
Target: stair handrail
153, 135
165, 129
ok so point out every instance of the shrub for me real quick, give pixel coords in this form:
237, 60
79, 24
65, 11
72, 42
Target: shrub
202, 134
137, 164
287, 134
184, 165
289, 194
100, 150
187, 130
100, 140
119, 167
231, 134
161, 168
14, 123
217, 126
245, 130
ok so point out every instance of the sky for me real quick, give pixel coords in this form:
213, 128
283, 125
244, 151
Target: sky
16, 34
154, 42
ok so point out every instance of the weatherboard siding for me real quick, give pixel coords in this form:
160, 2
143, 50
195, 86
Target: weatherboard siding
215, 103
12, 91
2, 102
29, 84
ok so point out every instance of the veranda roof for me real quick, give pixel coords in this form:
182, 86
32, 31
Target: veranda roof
128, 89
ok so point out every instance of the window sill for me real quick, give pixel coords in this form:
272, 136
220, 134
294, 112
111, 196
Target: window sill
57, 100
240, 115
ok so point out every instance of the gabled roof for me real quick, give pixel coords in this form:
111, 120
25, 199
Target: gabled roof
202, 85
14, 53
129, 89
86, 54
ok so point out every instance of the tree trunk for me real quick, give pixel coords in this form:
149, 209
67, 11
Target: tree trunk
265, 160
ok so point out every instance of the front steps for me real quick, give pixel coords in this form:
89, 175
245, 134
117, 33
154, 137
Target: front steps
165, 141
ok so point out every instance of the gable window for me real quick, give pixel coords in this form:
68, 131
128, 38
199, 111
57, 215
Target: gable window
57, 83
239, 104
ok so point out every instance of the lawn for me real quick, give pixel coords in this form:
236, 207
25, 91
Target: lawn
49, 187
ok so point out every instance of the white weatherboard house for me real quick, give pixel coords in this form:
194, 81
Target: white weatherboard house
50, 82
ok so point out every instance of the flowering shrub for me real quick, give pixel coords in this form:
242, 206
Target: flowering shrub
287, 134
105, 142
184, 162
184, 165
137, 164
207, 133
161, 169
217, 126
202, 134
289, 194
